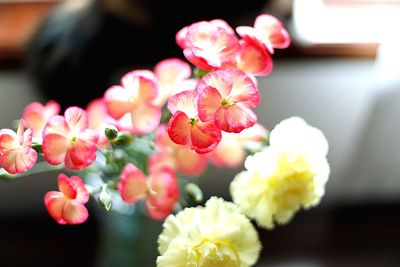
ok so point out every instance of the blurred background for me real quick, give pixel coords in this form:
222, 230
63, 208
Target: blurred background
341, 73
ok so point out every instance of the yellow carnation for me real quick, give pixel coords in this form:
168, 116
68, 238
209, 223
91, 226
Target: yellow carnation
214, 235
289, 174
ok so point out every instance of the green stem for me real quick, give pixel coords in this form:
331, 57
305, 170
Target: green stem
40, 167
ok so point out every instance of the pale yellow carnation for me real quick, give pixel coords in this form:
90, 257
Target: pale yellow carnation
288, 175
214, 235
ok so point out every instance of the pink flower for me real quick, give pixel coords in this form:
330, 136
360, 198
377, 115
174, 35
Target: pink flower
227, 97
16, 153
67, 205
173, 77
178, 157
99, 119
68, 139
35, 116
207, 44
268, 32
136, 97
160, 190
253, 60
185, 127
231, 152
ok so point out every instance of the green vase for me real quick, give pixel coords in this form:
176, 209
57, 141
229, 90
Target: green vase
128, 239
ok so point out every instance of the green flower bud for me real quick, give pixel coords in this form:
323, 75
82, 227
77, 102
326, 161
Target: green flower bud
105, 199
111, 132
37, 147
123, 138
194, 192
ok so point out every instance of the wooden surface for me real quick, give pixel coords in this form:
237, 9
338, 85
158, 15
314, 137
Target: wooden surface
18, 22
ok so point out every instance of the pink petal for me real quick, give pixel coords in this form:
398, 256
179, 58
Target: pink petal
243, 89
160, 159
8, 161
178, 128
82, 195
163, 195
8, 140
25, 160
172, 70
33, 117
57, 125
80, 154
171, 73
133, 184
55, 202
76, 118
27, 140
222, 24
156, 213
141, 85
270, 25
189, 162
54, 148
236, 118
145, 119
253, 136
229, 152
250, 35
51, 108
199, 62
117, 101
208, 103
20, 133
204, 137
162, 139
75, 213
180, 37
185, 101
66, 186
211, 42
220, 80
254, 60
97, 114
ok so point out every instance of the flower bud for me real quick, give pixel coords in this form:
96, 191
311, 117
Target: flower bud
37, 147
111, 132
105, 199
194, 192
123, 138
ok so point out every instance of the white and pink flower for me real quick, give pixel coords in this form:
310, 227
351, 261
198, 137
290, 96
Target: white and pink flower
173, 76
136, 97
185, 127
268, 33
208, 44
160, 190
16, 153
68, 139
181, 158
227, 98
67, 206
35, 116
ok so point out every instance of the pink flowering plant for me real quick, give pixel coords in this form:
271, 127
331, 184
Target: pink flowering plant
150, 136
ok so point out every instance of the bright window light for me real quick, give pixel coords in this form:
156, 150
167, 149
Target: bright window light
345, 22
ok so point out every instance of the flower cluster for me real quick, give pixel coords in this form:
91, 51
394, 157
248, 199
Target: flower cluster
147, 137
